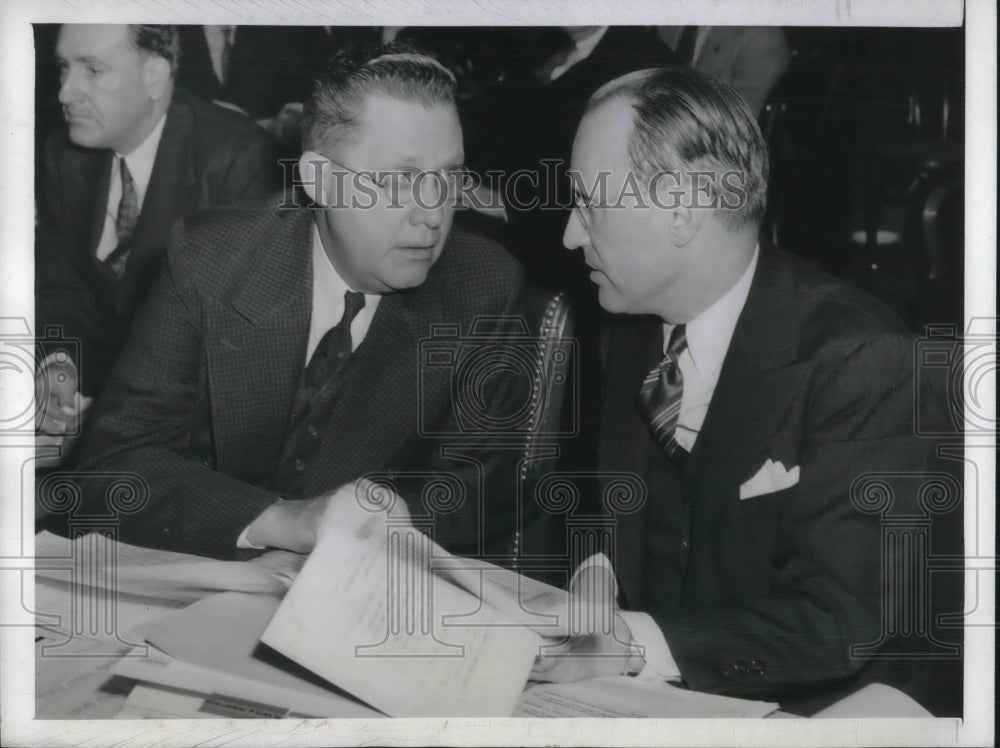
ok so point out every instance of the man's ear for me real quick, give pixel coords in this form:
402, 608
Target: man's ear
684, 223
157, 76
311, 174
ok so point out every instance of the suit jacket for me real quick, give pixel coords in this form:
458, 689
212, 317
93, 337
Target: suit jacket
200, 402
764, 596
751, 59
207, 157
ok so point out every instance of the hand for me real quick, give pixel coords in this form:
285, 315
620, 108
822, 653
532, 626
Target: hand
58, 399
599, 644
296, 525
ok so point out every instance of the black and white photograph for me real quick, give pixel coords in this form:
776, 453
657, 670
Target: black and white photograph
585, 375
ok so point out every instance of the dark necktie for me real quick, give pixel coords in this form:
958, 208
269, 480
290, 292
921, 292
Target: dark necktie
335, 346
128, 216
228, 32
660, 397
686, 44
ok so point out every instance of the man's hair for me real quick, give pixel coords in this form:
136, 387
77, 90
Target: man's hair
162, 41
352, 74
688, 121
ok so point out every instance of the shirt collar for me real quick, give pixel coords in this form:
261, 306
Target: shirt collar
587, 44
708, 334
327, 283
141, 159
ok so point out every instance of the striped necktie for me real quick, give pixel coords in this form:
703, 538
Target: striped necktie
660, 397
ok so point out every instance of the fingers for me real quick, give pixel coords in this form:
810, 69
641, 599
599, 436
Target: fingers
592, 602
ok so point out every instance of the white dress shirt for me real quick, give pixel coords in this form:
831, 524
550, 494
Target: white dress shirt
699, 42
582, 49
328, 301
328, 294
708, 338
216, 39
140, 165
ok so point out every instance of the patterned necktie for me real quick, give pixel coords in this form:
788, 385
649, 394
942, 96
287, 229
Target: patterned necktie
335, 346
686, 44
128, 216
660, 396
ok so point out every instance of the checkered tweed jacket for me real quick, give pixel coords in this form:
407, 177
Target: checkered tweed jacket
200, 401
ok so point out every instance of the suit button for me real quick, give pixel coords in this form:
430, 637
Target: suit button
686, 541
689, 501
736, 670
300, 465
312, 431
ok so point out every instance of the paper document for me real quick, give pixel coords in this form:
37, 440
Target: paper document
537, 605
367, 614
212, 646
94, 560
79, 686
622, 696
875, 700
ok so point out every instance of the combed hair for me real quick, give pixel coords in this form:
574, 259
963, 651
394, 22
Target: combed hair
162, 41
688, 121
352, 74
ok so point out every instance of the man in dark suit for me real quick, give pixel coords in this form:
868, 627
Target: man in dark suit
280, 354
136, 155
751, 393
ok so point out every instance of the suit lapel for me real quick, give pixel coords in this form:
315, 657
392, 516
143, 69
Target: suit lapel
759, 376
256, 345
171, 193
87, 189
633, 351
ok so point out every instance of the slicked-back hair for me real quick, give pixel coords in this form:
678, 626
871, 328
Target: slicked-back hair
162, 41
401, 71
688, 121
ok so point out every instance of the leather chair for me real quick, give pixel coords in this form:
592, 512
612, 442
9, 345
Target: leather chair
550, 318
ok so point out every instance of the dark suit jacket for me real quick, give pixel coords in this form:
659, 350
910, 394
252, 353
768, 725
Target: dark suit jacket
200, 401
207, 157
764, 596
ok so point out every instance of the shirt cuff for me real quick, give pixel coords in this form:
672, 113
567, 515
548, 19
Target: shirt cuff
660, 663
242, 542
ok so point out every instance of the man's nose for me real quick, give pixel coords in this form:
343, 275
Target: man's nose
575, 235
430, 202
69, 89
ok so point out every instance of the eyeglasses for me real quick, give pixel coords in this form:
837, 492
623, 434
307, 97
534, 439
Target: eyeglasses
584, 209
403, 187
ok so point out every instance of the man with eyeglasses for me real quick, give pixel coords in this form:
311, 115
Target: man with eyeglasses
279, 356
764, 405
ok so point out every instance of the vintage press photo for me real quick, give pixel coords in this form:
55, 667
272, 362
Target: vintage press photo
594, 376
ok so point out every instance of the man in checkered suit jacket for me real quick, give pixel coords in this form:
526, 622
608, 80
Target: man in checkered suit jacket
206, 402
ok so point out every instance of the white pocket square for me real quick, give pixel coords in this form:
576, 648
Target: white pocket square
771, 477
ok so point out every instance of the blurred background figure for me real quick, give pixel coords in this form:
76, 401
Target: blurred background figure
751, 59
